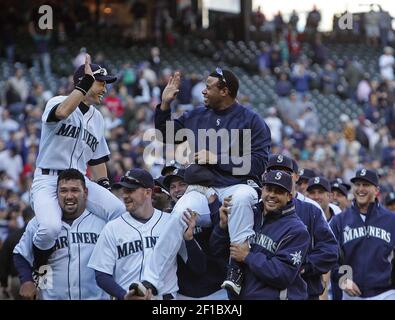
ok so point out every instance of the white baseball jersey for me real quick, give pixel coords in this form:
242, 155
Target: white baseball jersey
125, 248
71, 142
68, 276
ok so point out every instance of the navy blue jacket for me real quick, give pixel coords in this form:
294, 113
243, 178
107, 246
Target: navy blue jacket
204, 272
278, 249
235, 117
323, 250
368, 247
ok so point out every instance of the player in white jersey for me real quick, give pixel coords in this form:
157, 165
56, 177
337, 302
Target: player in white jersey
66, 277
72, 136
126, 244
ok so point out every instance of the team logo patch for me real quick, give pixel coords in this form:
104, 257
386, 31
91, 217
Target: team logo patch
218, 122
280, 158
296, 257
317, 180
363, 173
278, 176
301, 171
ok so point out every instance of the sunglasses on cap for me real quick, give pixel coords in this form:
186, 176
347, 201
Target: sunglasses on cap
101, 71
219, 71
130, 180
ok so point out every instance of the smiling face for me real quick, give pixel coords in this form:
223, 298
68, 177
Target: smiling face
339, 199
275, 197
96, 92
214, 93
320, 195
177, 188
136, 199
72, 198
364, 193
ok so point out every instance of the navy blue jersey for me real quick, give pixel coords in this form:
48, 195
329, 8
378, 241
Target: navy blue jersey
236, 117
367, 246
278, 249
323, 250
204, 272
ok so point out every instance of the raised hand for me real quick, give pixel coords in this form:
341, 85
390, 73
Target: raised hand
88, 69
171, 90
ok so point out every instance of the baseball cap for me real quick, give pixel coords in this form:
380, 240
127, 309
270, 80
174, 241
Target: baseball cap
280, 161
319, 181
389, 198
198, 174
366, 175
340, 187
306, 174
341, 181
99, 73
279, 178
136, 178
176, 173
169, 167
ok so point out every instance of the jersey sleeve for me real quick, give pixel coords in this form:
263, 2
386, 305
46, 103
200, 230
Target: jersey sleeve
104, 254
48, 114
25, 245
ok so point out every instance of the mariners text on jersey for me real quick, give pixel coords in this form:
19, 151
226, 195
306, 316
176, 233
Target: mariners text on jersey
135, 246
369, 231
73, 132
76, 237
264, 241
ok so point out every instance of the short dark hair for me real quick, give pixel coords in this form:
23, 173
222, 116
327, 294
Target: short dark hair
71, 174
231, 81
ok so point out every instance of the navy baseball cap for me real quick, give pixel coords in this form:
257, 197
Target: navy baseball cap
295, 166
176, 173
338, 186
389, 198
366, 175
170, 167
277, 161
319, 181
306, 174
279, 178
136, 178
341, 181
99, 73
198, 174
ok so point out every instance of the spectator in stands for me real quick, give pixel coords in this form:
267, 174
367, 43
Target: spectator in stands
387, 64
329, 79
275, 124
364, 89
293, 20
300, 78
283, 86
258, 18
372, 27
313, 21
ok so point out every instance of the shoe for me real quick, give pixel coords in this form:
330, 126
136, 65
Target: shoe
233, 281
141, 288
206, 191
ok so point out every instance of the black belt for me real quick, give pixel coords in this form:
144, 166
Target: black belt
168, 296
54, 172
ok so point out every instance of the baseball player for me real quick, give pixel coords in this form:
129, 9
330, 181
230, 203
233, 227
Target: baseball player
339, 195
323, 249
304, 175
126, 244
72, 137
66, 277
201, 282
222, 111
389, 201
273, 257
365, 233
319, 190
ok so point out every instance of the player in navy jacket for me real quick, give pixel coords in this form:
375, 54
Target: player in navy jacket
365, 233
323, 249
274, 256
